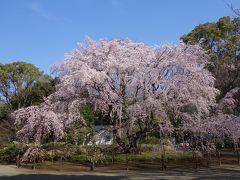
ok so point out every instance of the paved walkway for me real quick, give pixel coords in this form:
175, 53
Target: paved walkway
9, 172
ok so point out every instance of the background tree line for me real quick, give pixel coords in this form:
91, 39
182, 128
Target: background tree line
222, 40
21, 85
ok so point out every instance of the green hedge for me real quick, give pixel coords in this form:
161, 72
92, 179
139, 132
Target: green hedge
146, 156
8, 152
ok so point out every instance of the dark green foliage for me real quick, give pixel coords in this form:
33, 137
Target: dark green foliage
79, 158
221, 37
43, 87
94, 117
22, 84
4, 111
150, 140
146, 156
17, 78
8, 152
222, 40
88, 114
102, 118
77, 135
82, 133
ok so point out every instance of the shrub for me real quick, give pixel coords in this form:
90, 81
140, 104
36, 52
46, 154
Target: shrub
8, 152
79, 158
150, 140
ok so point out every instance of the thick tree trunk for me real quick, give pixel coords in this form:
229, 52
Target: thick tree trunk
219, 158
53, 152
112, 156
113, 149
61, 163
127, 162
34, 164
196, 162
164, 167
209, 159
92, 167
132, 144
236, 149
195, 158
18, 163
238, 157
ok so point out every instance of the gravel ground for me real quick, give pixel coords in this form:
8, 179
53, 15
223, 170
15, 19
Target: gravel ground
10, 172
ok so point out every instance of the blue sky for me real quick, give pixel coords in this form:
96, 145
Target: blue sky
42, 31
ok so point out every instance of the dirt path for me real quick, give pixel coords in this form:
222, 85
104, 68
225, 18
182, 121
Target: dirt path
10, 172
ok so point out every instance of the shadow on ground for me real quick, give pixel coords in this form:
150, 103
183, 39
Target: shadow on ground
199, 174
59, 177
180, 174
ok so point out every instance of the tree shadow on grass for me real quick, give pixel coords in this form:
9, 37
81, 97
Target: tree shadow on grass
59, 177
